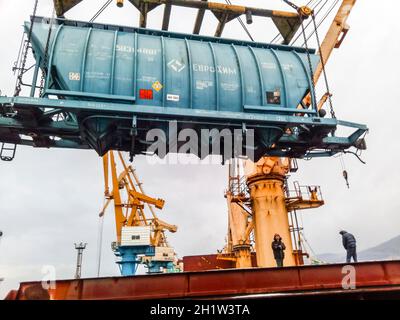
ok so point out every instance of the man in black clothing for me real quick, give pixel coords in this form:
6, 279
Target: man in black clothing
278, 248
349, 243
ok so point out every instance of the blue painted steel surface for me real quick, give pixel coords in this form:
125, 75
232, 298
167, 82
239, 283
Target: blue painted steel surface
177, 70
130, 259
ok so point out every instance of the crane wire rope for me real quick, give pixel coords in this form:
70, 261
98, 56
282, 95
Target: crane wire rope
100, 239
101, 218
312, 89
46, 54
100, 11
314, 8
310, 22
323, 19
306, 244
25, 54
313, 102
344, 171
332, 111
279, 36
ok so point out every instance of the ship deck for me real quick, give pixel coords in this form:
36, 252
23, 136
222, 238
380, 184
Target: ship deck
378, 279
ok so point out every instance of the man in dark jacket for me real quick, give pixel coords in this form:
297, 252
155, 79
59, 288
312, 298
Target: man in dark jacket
349, 243
278, 248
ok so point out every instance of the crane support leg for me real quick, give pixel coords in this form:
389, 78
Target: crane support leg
270, 216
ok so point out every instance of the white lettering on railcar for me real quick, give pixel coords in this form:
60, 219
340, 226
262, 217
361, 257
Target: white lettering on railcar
226, 86
268, 65
219, 69
288, 67
251, 89
147, 51
124, 48
203, 84
147, 79
97, 75
129, 49
173, 97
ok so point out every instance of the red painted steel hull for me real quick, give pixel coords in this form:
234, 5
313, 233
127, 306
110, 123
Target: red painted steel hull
207, 262
373, 279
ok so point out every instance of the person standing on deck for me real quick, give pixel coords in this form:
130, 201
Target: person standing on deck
278, 248
349, 243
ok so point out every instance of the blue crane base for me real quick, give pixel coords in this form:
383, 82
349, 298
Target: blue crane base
129, 258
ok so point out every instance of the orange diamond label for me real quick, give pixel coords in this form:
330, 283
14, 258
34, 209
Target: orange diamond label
157, 86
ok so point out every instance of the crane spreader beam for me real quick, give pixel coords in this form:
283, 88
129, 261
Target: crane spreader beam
286, 22
33, 128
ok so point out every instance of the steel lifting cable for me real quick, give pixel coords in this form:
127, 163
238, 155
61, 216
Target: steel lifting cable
17, 63
306, 244
278, 36
46, 54
98, 13
100, 242
25, 54
333, 115
313, 102
309, 3
344, 171
310, 22
303, 238
323, 18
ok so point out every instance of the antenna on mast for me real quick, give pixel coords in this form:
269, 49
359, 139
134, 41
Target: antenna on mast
79, 247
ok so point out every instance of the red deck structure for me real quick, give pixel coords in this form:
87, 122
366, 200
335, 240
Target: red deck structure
373, 280
208, 262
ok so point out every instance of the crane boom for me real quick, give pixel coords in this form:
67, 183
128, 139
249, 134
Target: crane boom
140, 240
335, 35
333, 40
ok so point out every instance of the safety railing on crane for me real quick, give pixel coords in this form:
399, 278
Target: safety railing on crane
310, 192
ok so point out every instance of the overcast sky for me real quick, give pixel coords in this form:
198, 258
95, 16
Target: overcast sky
50, 199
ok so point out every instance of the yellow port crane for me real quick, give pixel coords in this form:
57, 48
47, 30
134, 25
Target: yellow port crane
259, 200
140, 240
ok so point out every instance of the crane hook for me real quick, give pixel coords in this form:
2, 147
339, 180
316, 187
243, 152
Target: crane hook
346, 178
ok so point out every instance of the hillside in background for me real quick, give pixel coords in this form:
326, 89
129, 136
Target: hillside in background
389, 250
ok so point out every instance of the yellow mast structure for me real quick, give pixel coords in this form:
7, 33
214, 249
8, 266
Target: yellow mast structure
129, 201
131, 212
240, 223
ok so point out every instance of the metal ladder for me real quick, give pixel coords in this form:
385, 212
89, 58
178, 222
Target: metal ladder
7, 152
